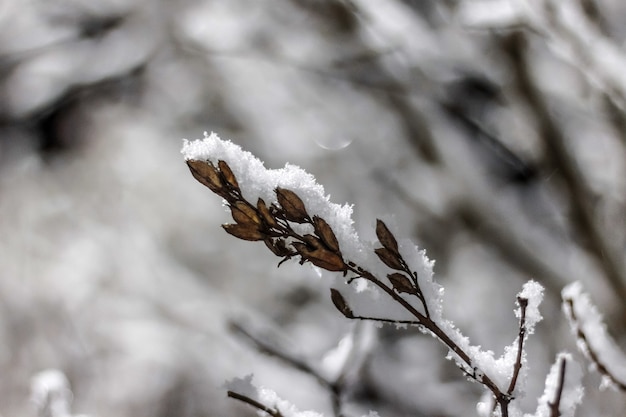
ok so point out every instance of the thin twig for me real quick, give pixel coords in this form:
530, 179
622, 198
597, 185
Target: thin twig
390, 321
591, 353
335, 388
271, 411
502, 398
259, 222
294, 362
554, 405
523, 304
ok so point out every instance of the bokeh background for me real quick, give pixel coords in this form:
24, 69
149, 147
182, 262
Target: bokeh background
493, 132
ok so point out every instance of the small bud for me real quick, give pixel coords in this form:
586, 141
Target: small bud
244, 213
321, 258
323, 230
227, 174
389, 258
341, 303
401, 283
244, 231
313, 241
278, 247
293, 206
265, 213
385, 237
206, 174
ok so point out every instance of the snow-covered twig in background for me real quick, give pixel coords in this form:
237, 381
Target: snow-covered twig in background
593, 339
331, 372
300, 222
563, 391
244, 390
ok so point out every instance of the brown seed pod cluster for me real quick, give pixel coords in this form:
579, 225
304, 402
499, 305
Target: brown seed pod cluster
272, 224
405, 281
314, 241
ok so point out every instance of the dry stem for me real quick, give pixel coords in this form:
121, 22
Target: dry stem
273, 226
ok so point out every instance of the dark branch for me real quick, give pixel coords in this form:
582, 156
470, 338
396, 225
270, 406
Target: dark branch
554, 405
271, 411
523, 304
589, 352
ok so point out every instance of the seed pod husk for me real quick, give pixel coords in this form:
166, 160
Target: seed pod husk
227, 174
244, 213
389, 258
313, 241
324, 231
321, 258
341, 303
385, 237
265, 213
293, 206
244, 231
401, 283
206, 174
277, 246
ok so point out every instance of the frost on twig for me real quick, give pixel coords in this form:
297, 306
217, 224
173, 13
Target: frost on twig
333, 372
592, 337
389, 281
264, 400
563, 391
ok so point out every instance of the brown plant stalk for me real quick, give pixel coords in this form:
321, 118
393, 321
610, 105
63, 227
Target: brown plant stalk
273, 225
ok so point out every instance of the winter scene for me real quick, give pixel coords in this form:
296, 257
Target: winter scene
307, 208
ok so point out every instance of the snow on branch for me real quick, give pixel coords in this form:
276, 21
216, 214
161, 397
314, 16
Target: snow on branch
264, 400
593, 340
388, 281
563, 390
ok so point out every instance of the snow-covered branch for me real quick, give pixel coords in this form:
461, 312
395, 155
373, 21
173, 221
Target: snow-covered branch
593, 338
296, 220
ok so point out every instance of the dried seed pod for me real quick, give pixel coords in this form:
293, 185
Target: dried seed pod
281, 245
293, 206
206, 174
341, 303
322, 258
277, 246
265, 213
244, 231
313, 241
227, 174
323, 230
385, 237
401, 283
389, 258
244, 213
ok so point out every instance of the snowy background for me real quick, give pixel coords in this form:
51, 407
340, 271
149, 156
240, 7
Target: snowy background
492, 133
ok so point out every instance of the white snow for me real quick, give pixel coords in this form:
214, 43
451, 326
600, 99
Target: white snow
533, 292
51, 394
243, 386
334, 361
256, 181
572, 392
584, 317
